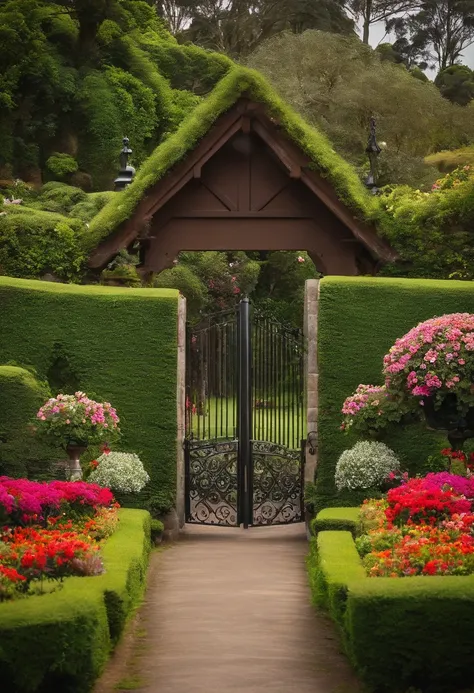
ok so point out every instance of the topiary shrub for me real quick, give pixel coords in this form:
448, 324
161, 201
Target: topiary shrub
58, 197
365, 466
33, 243
61, 165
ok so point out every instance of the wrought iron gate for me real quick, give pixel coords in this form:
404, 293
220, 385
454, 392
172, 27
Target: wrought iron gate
245, 423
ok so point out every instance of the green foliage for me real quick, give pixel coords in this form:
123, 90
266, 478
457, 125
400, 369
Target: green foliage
34, 242
238, 81
359, 320
21, 453
75, 79
157, 529
61, 165
333, 566
456, 83
112, 353
399, 632
449, 160
430, 231
412, 117
188, 283
59, 198
91, 205
347, 519
61, 640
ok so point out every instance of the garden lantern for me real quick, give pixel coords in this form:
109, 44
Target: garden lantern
127, 172
372, 150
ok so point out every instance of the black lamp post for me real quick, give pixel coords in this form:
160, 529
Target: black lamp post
372, 151
127, 172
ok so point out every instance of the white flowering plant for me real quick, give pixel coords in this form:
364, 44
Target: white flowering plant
119, 471
366, 465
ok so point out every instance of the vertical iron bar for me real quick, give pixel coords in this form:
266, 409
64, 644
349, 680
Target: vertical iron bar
187, 480
245, 410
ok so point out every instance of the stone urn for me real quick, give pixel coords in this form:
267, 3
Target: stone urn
447, 417
74, 451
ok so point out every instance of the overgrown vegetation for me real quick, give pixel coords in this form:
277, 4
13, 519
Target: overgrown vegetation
77, 76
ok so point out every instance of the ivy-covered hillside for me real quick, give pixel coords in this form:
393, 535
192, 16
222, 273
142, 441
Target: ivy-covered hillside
78, 75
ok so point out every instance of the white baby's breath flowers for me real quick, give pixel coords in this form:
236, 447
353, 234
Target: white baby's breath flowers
366, 465
120, 471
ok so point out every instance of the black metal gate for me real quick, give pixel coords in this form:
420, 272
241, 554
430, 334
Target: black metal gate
245, 421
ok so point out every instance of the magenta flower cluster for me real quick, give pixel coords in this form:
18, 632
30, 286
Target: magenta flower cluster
460, 484
435, 356
76, 417
31, 500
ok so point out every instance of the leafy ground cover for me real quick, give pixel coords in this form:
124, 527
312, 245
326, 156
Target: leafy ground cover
51, 531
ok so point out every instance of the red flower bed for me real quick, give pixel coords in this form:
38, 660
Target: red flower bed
424, 527
51, 531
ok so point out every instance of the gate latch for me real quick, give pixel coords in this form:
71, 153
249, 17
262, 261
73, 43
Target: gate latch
312, 442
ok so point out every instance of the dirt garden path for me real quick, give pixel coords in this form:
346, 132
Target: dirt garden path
228, 611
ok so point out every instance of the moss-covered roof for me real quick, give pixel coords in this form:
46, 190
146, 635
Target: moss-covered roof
237, 83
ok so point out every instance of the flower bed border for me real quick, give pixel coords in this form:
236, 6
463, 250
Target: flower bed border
398, 632
61, 641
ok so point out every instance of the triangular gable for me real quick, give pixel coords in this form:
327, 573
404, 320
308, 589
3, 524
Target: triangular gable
241, 102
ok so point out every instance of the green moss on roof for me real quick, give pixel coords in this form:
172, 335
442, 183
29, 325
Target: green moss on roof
236, 83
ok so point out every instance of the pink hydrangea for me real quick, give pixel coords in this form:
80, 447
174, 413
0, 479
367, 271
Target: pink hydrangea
434, 357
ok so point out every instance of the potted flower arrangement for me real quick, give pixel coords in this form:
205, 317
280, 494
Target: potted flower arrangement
76, 422
434, 364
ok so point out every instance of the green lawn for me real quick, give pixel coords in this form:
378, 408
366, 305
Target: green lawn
285, 424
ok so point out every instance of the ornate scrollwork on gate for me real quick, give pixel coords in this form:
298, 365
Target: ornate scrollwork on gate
212, 483
277, 484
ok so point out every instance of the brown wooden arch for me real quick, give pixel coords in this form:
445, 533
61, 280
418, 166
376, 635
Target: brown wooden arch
246, 186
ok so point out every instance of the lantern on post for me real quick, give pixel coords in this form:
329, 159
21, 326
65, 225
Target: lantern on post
372, 150
127, 172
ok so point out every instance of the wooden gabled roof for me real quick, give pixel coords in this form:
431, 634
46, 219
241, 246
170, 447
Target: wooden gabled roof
241, 102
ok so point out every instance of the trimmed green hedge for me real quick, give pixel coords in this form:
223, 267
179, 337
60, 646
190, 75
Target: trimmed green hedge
359, 320
337, 519
61, 641
116, 344
21, 395
398, 632
333, 564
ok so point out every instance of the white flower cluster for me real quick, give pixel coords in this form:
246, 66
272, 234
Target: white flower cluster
366, 465
120, 471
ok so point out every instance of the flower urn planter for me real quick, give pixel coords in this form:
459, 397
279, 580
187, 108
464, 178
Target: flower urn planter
447, 417
74, 450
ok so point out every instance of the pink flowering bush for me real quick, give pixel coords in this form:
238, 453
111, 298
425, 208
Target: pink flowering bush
76, 418
369, 410
434, 359
23, 501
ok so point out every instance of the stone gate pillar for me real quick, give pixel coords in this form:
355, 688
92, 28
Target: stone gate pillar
181, 410
311, 306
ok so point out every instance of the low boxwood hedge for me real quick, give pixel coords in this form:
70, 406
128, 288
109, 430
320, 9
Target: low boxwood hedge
338, 519
398, 632
59, 642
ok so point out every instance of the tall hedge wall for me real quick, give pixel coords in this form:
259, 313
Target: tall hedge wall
116, 344
21, 394
359, 320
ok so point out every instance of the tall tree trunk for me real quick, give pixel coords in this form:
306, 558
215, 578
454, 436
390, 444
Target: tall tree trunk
367, 16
